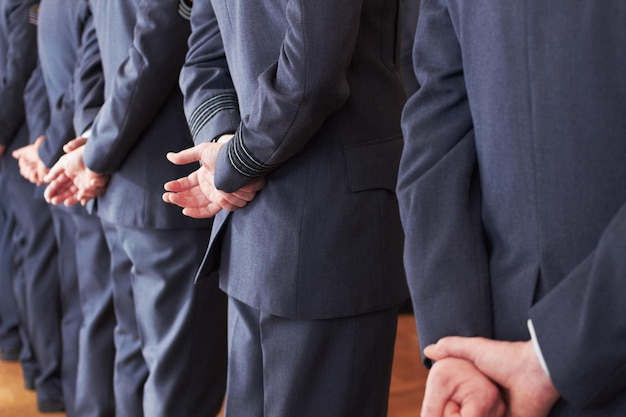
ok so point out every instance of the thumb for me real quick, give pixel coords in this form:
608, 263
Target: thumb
454, 346
186, 156
98, 180
54, 172
74, 144
17, 154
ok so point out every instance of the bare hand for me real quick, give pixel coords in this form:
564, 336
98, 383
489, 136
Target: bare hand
196, 193
72, 182
528, 390
456, 388
61, 190
31, 166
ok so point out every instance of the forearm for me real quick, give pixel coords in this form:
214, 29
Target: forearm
581, 322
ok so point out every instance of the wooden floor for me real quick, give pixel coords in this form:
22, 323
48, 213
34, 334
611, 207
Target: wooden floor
407, 381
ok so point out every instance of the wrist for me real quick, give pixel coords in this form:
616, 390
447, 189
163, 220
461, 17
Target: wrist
546, 392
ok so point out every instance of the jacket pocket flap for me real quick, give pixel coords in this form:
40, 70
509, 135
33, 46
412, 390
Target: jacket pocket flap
373, 164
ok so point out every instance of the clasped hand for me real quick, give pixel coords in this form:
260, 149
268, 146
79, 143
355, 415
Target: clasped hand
196, 193
477, 377
31, 166
70, 181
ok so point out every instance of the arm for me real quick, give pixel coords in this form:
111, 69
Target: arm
60, 128
21, 60
580, 324
37, 118
212, 113
196, 193
439, 192
88, 76
160, 40
409, 9
36, 101
306, 83
70, 180
211, 104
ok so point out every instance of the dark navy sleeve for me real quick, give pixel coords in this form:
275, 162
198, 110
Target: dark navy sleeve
580, 325
60, 128
410, 13
36, 101
211, 105
88, 77
439, 190
20, 62
141, 85
296, 94
82, 97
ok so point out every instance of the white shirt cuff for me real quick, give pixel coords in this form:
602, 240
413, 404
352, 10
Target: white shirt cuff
533, 337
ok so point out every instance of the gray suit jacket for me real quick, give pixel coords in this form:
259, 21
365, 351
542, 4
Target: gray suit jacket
319, 96
142, 47
511, 184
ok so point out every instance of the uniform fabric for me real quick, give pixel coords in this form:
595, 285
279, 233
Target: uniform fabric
511, 185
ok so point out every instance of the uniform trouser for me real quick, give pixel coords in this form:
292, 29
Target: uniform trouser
180, 329
94, 387
30, 367
9, 318
71, 315
41, 298
281, 367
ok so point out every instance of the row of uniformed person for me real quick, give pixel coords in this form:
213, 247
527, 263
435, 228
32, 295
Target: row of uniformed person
111, 321
36, 257
311, 266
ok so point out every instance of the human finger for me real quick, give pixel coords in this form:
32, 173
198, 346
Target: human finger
55, 172
74, 144
229, 201
18, 153
459, 347
452, 409
186, 156
60, 186
65, 196
459, 381
437, 394
180, 184
41, 171
243, 195
256, 185
187, 199
99, 181
205, 212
